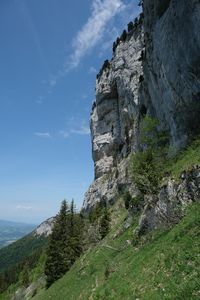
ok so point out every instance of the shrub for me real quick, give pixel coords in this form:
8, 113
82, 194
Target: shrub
130, 26
127, 199
117, 41
136, 201
147, 164
123, 36
104, 225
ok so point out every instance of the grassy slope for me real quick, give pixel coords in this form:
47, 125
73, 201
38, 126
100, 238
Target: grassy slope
184, 160
166, 265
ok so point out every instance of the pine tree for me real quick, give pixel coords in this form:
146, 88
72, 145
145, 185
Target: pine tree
65, 243
75, 228
104, 223
57, 261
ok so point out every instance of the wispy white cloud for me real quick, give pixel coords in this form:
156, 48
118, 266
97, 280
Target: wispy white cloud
43, 134
105, 23
52, 81
92, 70
23, 207
64, 134
39, 101
83, 130
92, 32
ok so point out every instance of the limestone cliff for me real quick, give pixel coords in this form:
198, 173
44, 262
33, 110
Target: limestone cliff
154, 70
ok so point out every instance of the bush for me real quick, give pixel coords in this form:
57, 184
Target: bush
97, 211
130, 26
147, 164
127, 199
104, 225
123, 36
136, 201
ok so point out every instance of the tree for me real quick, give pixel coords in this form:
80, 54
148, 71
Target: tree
65, 243
130, 26
104, 225
123, 36
147, 164
57, 262
74, 232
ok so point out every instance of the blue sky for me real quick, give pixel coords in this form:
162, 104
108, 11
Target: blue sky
49, 56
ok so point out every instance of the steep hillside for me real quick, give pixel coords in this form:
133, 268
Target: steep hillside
16, 252
162, 265
18, 259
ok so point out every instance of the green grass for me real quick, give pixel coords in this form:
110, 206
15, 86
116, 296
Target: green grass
164, 265
185, 159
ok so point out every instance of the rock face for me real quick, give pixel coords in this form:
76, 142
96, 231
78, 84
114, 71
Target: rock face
171, 87
114, 119
167, 208
45, 228
154, 71
113, 113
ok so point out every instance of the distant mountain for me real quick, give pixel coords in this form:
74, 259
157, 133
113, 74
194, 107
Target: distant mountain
12, 231
22, 248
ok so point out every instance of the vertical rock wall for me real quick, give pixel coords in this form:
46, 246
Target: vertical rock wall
156, 70
172, 65
114, 118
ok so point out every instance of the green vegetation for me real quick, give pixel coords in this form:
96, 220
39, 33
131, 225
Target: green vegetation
65, 243
123, 36
149, 165
130, 26
104, 223
33, 273
146, 165
18, 258
106, 65
184, 160
103, 259
16, 252
162, 265
97, 211
130, 201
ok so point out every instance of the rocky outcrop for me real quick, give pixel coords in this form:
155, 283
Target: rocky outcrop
115, 108
114, 119
155, 71
45, 228
168, 206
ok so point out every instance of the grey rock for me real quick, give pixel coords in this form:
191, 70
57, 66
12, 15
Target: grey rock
171, 86
156, 72
45, 228
167, 208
